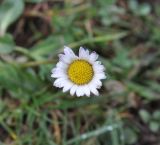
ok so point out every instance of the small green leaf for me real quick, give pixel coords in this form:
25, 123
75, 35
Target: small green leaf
156, 115
131, 136
133, 5
122, 59
143, 91
10, 10
145, 116
144, 10
154, 126
139, 9
6, 44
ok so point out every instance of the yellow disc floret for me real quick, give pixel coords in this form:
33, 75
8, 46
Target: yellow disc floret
80, 72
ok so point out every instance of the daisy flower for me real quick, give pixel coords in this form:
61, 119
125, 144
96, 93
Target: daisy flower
81, 75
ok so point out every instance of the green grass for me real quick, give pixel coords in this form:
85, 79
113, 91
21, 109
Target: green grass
127, 38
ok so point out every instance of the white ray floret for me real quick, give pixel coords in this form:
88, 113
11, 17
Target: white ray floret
81, 75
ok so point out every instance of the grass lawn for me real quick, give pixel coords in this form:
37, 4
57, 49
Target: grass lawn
125, 34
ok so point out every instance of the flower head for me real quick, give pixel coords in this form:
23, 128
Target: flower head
81, 74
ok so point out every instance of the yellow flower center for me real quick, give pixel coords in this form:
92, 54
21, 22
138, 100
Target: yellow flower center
80, 72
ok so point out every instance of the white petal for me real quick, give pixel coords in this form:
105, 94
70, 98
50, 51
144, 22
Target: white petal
68, 51
53, 70
98, 68
58, 72
83, 54
86, 90
65, 58
100, 76
87, 52
98, 62
61, 64
57, 75
97, 83
80, 91
93, 56
73, 89
59, 82
94, 90
67, 86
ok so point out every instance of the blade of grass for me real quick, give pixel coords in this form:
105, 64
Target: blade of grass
9, 130
97, 132
108, 37
143, 91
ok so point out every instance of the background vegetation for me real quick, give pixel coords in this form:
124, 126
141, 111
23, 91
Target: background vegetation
125, 33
